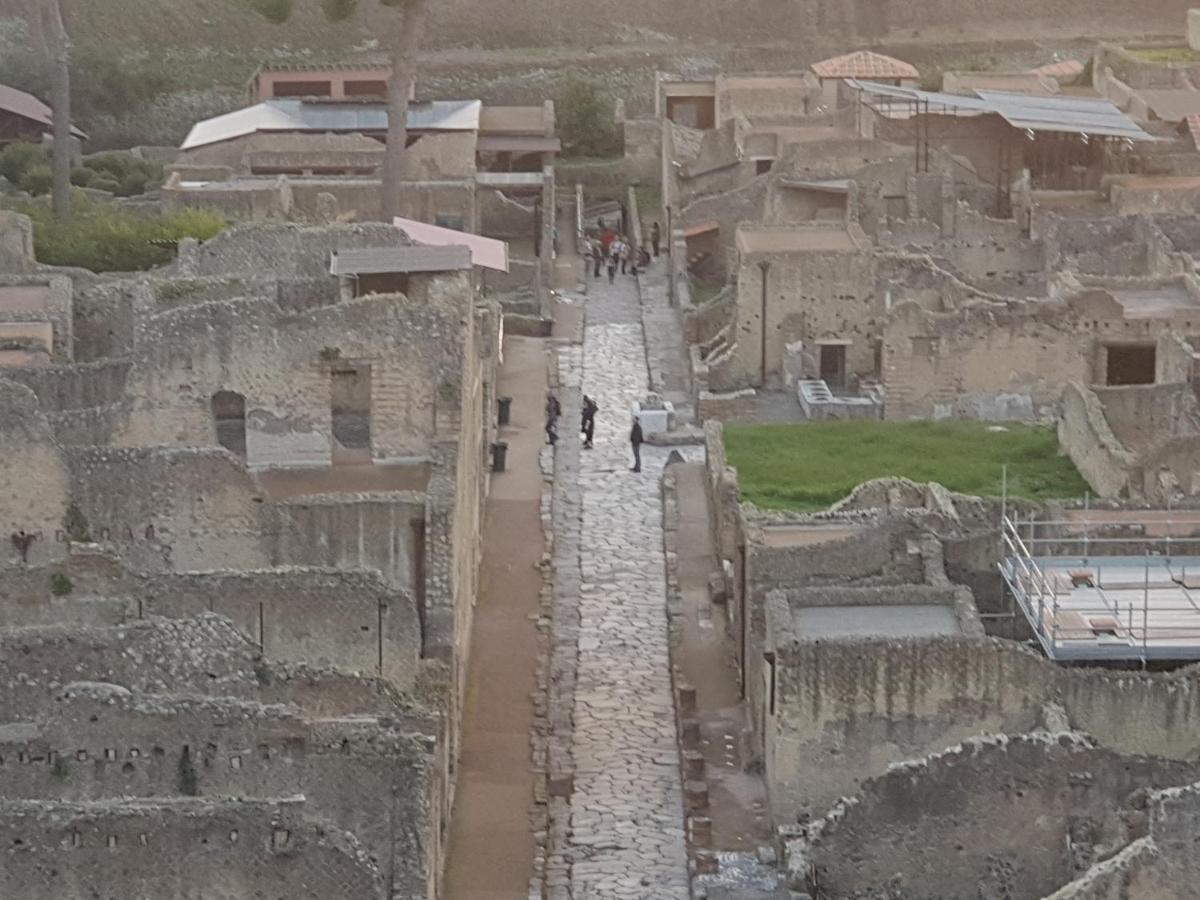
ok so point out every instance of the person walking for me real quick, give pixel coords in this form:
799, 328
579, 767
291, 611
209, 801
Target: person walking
635, 441
588, 425
624, 256
553, 411
655, 238
614, 258
597, 254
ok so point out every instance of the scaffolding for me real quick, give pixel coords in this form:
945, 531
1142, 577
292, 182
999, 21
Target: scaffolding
1090, 596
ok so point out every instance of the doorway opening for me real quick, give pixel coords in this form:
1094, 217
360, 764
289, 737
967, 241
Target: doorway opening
229, 414
350, 406
833, 365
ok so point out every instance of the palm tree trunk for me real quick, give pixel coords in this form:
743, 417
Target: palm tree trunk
400, 85
60, 51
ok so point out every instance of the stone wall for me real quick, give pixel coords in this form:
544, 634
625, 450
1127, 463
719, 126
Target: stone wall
1013, 817
371, 779
846, 710
810, 297
235, 848
1085, 435
205, 656
281, 362
1000, 361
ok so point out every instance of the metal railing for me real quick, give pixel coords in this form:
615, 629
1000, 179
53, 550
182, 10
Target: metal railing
1118, 624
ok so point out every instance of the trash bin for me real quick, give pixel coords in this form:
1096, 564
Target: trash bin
499, 456
505, 411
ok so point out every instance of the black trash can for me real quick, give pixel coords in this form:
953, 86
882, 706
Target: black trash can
505, 411
499, 456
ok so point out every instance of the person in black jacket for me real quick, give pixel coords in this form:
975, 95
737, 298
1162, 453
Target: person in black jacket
588, 425
635, 441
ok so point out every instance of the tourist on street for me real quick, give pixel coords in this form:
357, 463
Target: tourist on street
597, 253
635, 441
655, 238
625, 255
643, 260
553, 407
614, 254
588, 425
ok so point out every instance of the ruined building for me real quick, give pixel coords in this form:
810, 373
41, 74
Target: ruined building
241, 511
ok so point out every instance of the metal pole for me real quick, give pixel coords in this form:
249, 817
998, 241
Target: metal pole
765, 266
1145, 609
1168, 529
1087, 501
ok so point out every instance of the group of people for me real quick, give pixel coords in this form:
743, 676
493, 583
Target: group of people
587, 426
614, 251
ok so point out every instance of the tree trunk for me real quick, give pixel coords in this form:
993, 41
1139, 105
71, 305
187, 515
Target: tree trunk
404, 65
60, 51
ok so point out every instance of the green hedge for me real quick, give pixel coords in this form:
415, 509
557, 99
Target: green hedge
105, 238
26, 165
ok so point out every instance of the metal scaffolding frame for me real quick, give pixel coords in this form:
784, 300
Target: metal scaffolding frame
1094, 597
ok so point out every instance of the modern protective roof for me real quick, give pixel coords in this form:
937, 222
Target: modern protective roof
326, 115
865, 64
29, 107
392, 260
1068, 115
486, 252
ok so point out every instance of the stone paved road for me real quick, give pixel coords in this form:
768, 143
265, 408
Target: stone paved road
626, 828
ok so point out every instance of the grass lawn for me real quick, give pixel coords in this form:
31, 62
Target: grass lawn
1164, 54
811, 466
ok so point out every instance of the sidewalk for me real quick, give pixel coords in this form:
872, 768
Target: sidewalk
491, 847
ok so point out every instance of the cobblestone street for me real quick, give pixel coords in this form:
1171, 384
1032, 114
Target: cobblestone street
625, 836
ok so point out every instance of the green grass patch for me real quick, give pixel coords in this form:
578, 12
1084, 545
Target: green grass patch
1165, 54
808, 467
106, 238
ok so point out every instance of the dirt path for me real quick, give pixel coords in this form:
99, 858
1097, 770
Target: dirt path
491, 848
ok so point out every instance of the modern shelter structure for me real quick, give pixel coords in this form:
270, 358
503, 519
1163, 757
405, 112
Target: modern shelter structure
1108, 586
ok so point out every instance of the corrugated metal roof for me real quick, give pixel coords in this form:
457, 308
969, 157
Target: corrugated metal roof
865, 64
310, 115
1066, 115
388, 260
29, 107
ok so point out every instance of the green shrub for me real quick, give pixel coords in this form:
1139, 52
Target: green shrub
105, 238
37, 180
133, 184
585, 119
82, 176
16, 159
104, 183
115, 165
61, 585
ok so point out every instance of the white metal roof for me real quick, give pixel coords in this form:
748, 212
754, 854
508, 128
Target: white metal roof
1071, 115
325, 115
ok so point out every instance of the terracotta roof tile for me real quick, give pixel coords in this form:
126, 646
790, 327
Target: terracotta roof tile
865, 64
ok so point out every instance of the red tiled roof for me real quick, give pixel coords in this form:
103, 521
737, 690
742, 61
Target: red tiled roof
29, 107
866, 65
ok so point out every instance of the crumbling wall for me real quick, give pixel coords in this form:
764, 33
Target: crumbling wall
197, 509
744, 203
34, 479
810, 297
104, 315
1011, 817
846, 710
320, 617
281, 361
235, 848
986, 360
1086, 437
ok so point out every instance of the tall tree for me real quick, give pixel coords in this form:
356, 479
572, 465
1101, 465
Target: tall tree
48, 31
400, 24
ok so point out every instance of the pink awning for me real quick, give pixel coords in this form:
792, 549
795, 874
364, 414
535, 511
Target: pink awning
486, 252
